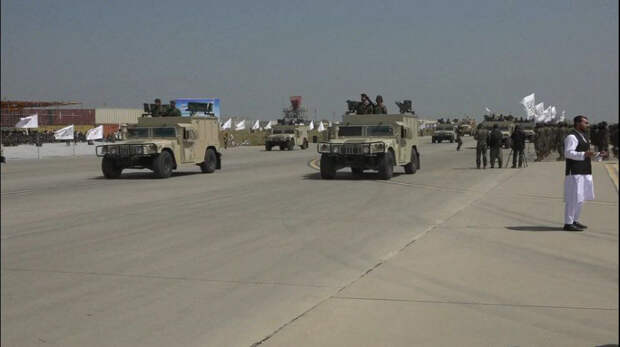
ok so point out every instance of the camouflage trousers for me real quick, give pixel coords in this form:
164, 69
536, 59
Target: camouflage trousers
481, 151
561, 152
496, 153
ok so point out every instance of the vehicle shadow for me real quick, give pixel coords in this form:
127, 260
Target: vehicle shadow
348, 176
535, 228
147, 176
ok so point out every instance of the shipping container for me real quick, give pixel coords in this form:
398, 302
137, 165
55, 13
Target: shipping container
109, 129
117, 115
77, 116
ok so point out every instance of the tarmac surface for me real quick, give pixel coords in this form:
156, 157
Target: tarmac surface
264, 252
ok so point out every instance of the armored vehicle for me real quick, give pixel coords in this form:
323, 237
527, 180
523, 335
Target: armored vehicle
371, 142
444, 132
161, 144
287, 137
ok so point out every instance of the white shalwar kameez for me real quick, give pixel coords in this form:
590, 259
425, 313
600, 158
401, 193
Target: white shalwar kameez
577, 188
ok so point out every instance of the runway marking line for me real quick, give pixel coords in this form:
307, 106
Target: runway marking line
314, 163
612, 170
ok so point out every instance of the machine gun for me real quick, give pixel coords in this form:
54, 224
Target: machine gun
352, 106
405, 107
149, 109
204, 107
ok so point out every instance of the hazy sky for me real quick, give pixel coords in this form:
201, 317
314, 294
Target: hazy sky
451, 57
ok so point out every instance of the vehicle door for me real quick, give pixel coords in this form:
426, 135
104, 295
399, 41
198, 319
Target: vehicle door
188, 149
402, 135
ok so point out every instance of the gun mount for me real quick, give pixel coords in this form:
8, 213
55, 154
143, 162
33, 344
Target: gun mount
352, 106
405, 107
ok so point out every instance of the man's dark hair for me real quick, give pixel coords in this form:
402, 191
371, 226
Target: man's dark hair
379, 98
578, 119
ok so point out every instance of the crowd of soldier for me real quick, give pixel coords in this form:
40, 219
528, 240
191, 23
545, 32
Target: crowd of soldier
550, 138
170, 110
33, 137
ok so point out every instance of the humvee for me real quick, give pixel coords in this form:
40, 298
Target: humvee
287, 137
162, 143
371, 142
444, 132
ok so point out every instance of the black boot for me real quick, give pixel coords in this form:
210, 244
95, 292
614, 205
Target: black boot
571, 227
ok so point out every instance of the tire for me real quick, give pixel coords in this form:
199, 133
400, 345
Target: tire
210, 163
328, 171
162, 165
282, 147
305, 144
412, 166
357, 171
451, 140
432, 140
386, 166
268, 147
110, 169
291, 145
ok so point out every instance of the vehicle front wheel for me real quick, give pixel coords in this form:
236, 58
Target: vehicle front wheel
357, 171
110, 169
162, 165
386, 166
328, 170
291, 145
210, 163
268, 146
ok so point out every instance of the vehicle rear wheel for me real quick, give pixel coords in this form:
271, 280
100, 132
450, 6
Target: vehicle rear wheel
268, 146
328, 170
412, 167
210, 163
291, 145
282, 147
110, 169
162, 165
386, 166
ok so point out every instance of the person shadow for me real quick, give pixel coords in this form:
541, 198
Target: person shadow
535, 228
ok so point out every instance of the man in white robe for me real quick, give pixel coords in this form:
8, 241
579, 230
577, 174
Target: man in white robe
578, 184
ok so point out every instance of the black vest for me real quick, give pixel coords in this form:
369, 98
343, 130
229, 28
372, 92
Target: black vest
579, 167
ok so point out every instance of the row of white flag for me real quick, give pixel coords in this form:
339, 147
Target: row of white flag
66, 133
256, 126
538, 112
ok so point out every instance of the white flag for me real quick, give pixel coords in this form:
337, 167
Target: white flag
311, 126
268, 126
65, 133
240, 125
528, 103
547, 114
553, 112
256, 125
95, 133
28, 122
540, 110
228, 124
486, 108
321, 127
563, 116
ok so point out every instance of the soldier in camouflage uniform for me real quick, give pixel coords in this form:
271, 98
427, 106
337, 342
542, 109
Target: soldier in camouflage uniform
173, 111
380, 108
482, 141
603, 142
562, 133
365, 106
539, 142
157, 110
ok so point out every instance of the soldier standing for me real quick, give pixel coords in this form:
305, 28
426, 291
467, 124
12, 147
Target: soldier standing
603, 138
380, 108
482, 139
365, 106
173, 111
563, 132
518, 146
495, 146
156, 110
459, 140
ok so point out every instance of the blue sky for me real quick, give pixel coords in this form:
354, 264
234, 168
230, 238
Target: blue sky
451, 58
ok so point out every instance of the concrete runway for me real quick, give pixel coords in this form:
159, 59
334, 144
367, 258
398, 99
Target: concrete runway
233, 258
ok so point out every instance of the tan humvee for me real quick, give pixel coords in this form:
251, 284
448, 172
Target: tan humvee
287, 137
375, 142
162, 143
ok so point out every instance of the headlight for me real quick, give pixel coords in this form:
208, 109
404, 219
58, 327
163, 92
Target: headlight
324, 148
112, 150
365, 149
378, 147
103, 149
336, 148
138, 149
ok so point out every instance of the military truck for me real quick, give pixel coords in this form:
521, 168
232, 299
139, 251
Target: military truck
161, 144
371, 142
287, 137
444, 131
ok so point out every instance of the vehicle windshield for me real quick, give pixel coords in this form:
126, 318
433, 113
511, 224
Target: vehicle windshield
289, 131
137, 132
350, 131
445, 127
380, 130
277, 131
504, 128
164, 132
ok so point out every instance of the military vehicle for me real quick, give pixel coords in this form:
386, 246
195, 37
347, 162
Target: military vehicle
506, 128
528, 129
371, 142
287, 136
444, 131
161, 144
291, 130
